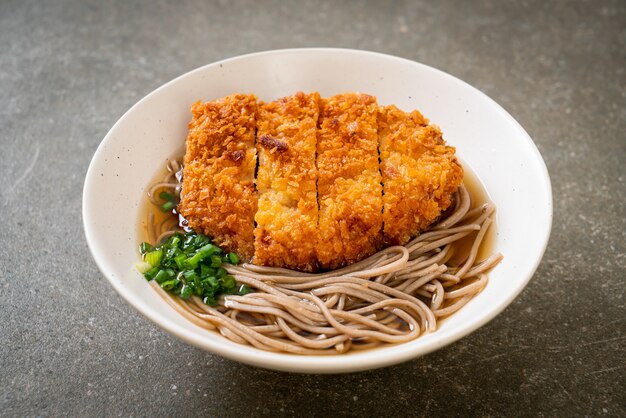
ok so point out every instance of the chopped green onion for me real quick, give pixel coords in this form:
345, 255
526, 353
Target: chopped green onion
209, 249
161, 276
206, 270
149, 275
243, 290
202, 253
167, 196
228, 282
233, 258
167, 206
188, 241
154, 257
210, 282
189, 264
180, 261
216, 261
202, 240
170, 284
145, 247
164, 275
186, 292
171, 252
142, 266
174, 239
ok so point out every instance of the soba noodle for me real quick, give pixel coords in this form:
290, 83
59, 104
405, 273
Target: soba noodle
393, 296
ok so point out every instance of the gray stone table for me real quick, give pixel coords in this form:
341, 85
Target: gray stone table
69, 345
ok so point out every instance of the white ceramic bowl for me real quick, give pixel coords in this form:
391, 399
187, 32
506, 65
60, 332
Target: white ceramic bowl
487, 138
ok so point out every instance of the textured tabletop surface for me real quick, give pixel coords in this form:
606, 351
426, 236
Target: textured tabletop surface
69, 345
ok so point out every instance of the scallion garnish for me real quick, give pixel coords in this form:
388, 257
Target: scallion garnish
168, 197
233, 258
189, 264
243, 290
154, 257
144, 247
167, 206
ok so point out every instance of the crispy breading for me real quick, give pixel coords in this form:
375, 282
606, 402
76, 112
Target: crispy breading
286, 231
420, 173
320, 200
349, 181
218, 196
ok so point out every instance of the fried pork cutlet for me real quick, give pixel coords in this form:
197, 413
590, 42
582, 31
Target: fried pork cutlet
218, 196
420, 173
349, 181
286, 231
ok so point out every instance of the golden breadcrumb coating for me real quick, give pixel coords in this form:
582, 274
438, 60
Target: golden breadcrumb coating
218, 197
349, 181
420, 173
337, 180
286, 231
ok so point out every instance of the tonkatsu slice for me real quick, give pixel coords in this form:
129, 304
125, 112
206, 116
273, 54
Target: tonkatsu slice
286, 231
349, 180
420, 173
218, 197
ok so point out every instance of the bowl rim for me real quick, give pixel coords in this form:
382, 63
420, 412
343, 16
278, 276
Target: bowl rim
316, 364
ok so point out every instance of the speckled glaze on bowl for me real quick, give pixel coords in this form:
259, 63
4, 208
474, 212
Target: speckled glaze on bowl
487, 139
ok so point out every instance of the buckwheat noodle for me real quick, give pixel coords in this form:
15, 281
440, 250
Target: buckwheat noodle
393, 296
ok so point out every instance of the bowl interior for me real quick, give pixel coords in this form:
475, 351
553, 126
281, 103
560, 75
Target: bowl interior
487, 139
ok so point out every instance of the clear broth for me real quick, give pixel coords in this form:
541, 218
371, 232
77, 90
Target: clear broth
148, 209
479, 197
